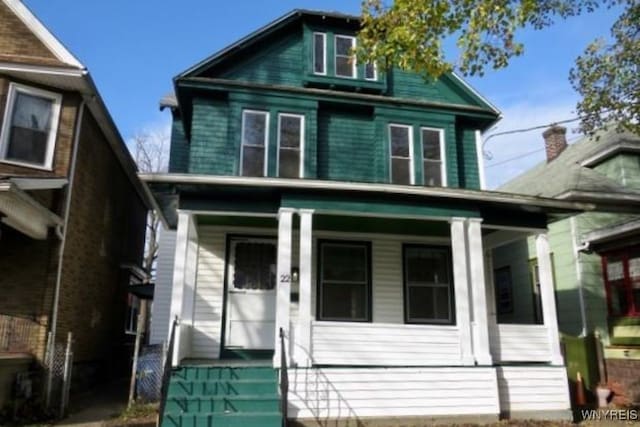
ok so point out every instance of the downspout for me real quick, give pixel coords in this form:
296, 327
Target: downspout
61, 232
576, 259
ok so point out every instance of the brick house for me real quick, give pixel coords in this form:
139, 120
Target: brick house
72, 210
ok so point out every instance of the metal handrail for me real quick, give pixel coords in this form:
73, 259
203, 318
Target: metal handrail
284, 380
166, 373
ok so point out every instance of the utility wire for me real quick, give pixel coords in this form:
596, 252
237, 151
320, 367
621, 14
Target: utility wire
537, 150
509, 132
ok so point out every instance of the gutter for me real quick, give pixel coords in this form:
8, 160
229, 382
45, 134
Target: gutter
62, 235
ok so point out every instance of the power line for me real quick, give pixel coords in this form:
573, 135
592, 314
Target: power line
509, 132
537, 150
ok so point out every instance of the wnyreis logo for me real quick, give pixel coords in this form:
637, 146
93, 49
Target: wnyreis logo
610, 414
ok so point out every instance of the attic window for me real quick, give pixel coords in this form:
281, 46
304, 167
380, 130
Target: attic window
345, 64
319, 53
30, 127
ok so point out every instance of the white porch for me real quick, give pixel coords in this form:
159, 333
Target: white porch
472, 338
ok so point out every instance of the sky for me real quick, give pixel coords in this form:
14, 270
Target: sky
133, 49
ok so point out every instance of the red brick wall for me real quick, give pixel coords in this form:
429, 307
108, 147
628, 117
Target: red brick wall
626, 373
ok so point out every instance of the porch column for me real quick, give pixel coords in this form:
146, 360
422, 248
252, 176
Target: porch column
481, 350
461, 288
283, 280
302, 349
178, 284
547, 297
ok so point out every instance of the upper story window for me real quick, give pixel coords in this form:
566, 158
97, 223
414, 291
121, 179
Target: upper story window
345, 63
370, 71
401, 154
433, 157
319, 53
622, 282
290, 145
255, 137
30, 126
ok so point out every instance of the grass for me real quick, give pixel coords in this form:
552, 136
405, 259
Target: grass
139, 411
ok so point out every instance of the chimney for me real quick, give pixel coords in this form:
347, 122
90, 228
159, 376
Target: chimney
555, 141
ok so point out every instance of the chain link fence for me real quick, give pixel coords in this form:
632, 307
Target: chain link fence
58, 368
149, 373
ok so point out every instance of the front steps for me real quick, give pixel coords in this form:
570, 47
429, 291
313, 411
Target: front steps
223, 396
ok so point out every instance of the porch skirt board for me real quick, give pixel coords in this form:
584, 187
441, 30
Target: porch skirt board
376, 396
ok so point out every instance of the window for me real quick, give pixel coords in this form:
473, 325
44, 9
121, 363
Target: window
344, 284
30, 126
401, 154
503, 290
319, 53
133, 309
428, 285
255, 133
345, 63
254, 264
370, 71
290, 145
622, 282
433, 157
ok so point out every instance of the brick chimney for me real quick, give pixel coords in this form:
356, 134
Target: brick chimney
555, 141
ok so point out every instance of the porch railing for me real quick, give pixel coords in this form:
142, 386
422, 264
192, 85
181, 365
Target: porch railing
284, 380
18, 334
166, 373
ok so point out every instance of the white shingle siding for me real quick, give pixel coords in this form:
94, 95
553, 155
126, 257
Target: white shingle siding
159, 330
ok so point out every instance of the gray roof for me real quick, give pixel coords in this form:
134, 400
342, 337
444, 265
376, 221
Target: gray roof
568, 171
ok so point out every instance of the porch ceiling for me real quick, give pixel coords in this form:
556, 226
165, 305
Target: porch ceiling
20, 211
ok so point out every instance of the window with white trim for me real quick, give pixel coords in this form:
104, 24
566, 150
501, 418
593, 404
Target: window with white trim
320, 53
370, 71
401, 154
433, 157
255, 136
133, 309
345, 63
344, 282
290, 145
30, 126
428, 285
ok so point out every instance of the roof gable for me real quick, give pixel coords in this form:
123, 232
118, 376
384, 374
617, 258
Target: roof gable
276, 54
27, 40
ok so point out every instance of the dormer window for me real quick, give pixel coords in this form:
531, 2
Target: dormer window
30, 126
319, 53
345, 63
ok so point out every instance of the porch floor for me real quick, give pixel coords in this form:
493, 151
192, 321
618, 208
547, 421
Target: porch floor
225, 362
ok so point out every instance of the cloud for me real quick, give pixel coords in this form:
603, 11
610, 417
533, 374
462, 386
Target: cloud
510, 155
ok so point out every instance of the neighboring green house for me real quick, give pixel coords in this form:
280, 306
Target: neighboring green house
596, 254
340, 206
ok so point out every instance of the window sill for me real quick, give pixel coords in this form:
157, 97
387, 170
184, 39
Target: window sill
345, 83
26, 165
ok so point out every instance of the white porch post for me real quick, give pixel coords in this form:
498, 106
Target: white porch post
303, 332
545, 274
461, 287
179, 271
283, 279
480, 328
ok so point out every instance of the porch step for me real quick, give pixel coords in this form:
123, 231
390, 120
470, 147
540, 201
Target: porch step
224, 405
225, 396
181, 388
266, 419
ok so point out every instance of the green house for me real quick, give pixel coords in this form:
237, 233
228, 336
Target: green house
325, 222
596, 254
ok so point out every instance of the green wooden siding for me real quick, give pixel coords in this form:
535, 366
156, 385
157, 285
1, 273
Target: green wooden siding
467, 158
212, 151
404, 84
276, 61
179, 150
347, 147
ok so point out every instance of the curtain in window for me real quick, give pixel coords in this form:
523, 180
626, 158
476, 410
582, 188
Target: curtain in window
254, 266
30, 125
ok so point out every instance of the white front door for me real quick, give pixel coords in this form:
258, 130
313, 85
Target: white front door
251, 293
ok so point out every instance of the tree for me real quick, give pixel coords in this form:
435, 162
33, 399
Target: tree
409, 34
150, 152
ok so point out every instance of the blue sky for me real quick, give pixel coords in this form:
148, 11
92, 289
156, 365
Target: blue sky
134, 48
